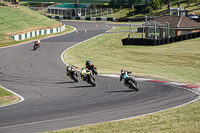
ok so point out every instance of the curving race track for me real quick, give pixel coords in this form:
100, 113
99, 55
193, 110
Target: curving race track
53, 101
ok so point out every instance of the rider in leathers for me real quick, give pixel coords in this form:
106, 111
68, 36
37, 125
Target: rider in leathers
83, 73
87, 63
69, 69
124, 75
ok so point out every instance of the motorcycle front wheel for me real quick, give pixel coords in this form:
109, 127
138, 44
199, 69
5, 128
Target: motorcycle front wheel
92, 82
134, 86
74, 78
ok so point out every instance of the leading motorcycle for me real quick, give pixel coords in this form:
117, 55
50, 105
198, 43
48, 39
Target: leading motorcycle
93, 68
35, 46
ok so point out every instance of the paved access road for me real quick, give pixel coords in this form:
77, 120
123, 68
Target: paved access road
53, 101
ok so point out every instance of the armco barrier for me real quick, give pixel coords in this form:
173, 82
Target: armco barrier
36, 33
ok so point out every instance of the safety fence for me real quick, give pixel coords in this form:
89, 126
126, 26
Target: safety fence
83, 18
156, 42
37, 33
76, 13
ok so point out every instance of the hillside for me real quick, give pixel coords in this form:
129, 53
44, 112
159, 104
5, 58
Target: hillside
21, 20
127, 12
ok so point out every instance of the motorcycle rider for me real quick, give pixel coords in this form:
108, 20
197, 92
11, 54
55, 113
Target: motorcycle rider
69, 69
124, 75
87, 63
38, 43
83, 73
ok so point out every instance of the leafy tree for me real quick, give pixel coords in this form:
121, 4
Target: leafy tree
178, 2
168, 4
188, 2
197, 3
156, 4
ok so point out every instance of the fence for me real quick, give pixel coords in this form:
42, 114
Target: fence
74, 12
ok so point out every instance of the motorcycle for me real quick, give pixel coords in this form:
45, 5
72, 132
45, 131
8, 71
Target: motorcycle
93, 68
73, 74
35, 46
130, 82
89, 78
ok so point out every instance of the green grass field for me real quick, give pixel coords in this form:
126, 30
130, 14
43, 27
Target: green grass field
7, 97
15, 21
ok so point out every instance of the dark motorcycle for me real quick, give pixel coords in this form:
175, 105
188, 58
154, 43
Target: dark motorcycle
132, 84
73, 74
130, 81
93, 68
88, 77
35, 46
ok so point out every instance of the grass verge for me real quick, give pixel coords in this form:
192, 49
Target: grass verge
68, 28
7, 97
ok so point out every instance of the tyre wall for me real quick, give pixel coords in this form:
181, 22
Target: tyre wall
156, 42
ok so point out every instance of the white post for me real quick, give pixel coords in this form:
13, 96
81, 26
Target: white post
143, 29
155, 30
168, 30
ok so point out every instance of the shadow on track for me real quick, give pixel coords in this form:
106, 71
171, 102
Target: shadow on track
64, 82
121, 91
87, 86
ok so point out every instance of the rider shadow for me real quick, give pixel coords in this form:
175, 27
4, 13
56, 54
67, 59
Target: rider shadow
32, 50
87, 86
121, 91
64, 82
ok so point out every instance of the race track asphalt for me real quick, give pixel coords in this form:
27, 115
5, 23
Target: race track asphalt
53, 101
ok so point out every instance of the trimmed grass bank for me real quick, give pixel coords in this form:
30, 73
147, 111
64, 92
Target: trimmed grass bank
21, 20
177, 62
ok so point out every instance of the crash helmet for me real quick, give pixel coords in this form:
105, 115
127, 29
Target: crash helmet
69, 67
82, 68
123, 71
